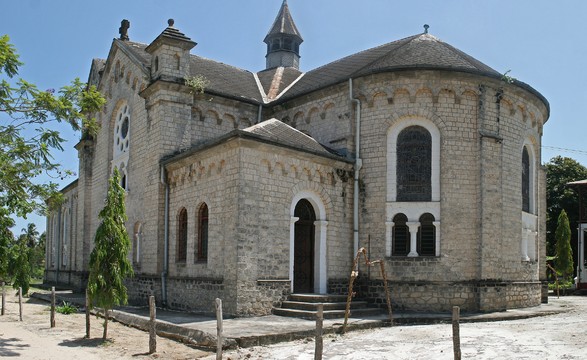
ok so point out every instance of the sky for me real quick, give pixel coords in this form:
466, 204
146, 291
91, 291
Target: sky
540, 42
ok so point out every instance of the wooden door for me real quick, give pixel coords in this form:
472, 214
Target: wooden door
304, 248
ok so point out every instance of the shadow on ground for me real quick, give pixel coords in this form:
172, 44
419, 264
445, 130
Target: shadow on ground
83, 342
10, 347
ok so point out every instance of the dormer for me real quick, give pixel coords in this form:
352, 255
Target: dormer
283, 41
170, 54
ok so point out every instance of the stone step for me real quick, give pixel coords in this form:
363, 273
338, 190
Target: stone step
312, 306
328, 314
318, 298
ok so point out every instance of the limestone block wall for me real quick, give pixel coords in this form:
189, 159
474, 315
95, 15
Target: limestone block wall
209, 177
326, 116
480, 177
481, 141
273, 179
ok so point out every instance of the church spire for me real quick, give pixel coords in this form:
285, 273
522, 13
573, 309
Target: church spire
283, 41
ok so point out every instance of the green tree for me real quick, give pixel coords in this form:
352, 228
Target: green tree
38, 257
564, 255
109, 262
6, 240
28, 136
559, 172
20, 266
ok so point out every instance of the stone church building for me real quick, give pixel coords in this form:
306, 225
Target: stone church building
267, 183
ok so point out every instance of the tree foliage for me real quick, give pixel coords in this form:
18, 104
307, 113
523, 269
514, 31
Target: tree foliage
564, 255
109, 262
20, 265
28, 135
559, 172
6, 240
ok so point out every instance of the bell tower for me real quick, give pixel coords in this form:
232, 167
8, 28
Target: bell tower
283, 41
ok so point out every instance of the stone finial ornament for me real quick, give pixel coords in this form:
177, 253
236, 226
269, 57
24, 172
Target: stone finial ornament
170, 22
123, 29
426, 26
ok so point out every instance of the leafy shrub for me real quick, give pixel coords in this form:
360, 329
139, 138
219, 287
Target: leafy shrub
66, 309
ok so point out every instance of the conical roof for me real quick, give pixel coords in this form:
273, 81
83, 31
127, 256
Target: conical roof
283, 24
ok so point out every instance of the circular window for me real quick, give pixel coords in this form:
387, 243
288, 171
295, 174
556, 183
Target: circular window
121, 131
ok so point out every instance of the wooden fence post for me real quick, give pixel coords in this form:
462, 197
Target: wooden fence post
3, 297
219, 329
87, 315
53, 306
20, 303
456, 336
152, 325
319, 332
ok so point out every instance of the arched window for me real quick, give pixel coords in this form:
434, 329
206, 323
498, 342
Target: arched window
121, 142
414, 164
64, 237
401, 236
525, 180
177, 61
427, 236
203, 233
182, 235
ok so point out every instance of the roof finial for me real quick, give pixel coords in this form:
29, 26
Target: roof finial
426, 26
123, 29
170, 22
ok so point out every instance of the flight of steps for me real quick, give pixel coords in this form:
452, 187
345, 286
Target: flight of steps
305, 306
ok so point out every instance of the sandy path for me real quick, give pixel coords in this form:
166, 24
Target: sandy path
33, 338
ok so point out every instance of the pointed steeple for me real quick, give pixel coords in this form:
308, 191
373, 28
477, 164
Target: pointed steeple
283, 41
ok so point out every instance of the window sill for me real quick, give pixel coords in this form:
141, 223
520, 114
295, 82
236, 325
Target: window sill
412, 258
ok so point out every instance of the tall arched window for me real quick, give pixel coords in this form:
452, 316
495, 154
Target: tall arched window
427, 236
182, 235
525, 180
64, 237
203, 233
414, 164
401, 236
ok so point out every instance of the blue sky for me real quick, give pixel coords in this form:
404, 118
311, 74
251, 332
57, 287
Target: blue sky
540, 42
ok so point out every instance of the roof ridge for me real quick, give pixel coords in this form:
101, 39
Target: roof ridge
405, 42
358, 53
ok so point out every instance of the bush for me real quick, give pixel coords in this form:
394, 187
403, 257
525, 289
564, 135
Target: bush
66, 309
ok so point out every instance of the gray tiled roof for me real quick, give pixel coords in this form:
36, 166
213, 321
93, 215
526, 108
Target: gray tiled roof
224, 79
266, 78
422, 51
282, 133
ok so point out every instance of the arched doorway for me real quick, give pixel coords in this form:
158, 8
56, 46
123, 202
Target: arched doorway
304, 233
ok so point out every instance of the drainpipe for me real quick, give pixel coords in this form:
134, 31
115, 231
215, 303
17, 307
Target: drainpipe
260, 113
358, 165
165, 239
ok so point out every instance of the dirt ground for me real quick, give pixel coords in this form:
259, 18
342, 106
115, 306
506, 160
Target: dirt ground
33, 338
561, 336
